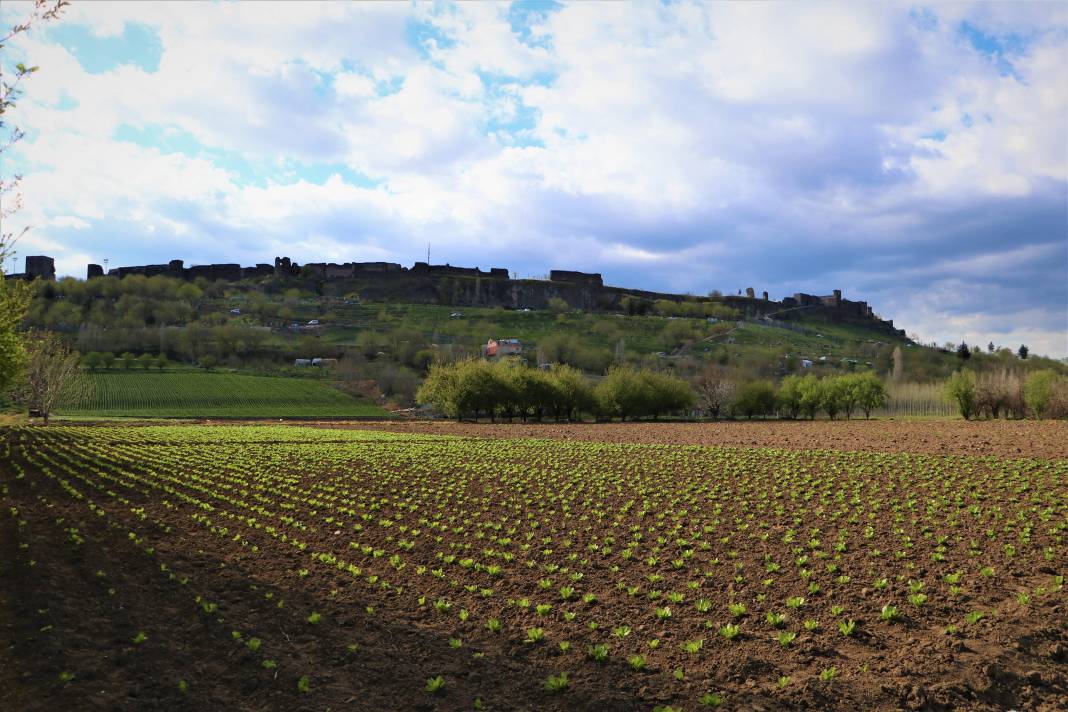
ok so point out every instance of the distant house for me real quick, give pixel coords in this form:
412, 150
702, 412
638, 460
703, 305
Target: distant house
502, 347
302, 362
806, 363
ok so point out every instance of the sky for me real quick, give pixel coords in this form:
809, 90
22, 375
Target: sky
911, 155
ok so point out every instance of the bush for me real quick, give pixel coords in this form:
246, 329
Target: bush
960, 390
1038, 390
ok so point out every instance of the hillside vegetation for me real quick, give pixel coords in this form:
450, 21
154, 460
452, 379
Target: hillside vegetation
385, 349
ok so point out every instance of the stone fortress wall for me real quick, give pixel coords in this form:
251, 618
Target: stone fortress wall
472, 286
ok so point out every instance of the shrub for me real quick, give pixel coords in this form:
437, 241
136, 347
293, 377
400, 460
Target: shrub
1038, 391
960, 390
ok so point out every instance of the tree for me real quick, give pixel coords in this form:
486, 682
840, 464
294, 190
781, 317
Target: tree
92, 360
621, 394
1023, 351
963, 353
440, 390
789, 396
128, 360
755, 398
50, 370
666, 393
573, 392
715, 393
1038, 389
161, 361
870, 392
960, 390
991, 348
833, 396
14, 296
899, 365
811, 395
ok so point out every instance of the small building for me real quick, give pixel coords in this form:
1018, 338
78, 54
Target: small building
302, 362
502, 347
806, 363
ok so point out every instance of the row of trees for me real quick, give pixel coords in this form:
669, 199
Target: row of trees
509, 389
796, 396
98, 360
1039, 394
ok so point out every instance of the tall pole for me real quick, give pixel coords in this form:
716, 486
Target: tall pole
428, 252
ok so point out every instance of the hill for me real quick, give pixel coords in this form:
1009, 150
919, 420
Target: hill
385, 335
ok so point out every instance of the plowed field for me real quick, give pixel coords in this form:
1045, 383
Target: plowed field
277, 567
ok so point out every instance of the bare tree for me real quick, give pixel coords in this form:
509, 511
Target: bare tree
51, 370
715, 392
899, 365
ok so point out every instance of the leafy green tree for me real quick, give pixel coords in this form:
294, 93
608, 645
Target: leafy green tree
128, 360
755, 398
146, 361
810, 392
161, 361
959, 390
92, 361
622, 394
1022, 352
441, 390
789, 396
666, 393
870, 392
1038, 389
573, 392
832, 395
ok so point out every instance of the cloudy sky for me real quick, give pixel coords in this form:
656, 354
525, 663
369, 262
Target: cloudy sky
910, 155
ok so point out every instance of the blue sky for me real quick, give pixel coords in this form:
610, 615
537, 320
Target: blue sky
910, 155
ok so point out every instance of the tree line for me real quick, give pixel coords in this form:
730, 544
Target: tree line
796, 396
1038, 394
508, 389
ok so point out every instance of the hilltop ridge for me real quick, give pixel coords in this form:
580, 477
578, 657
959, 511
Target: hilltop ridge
425, 283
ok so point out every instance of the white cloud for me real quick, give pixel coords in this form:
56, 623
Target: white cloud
776, 143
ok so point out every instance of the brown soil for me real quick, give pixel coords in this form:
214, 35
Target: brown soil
77, 607
1020, 438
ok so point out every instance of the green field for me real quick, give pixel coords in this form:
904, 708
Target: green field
191, 394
